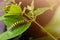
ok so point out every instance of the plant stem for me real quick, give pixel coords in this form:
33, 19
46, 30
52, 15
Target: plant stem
41, 27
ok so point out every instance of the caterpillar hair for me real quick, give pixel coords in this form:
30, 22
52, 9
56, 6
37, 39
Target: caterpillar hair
18, 23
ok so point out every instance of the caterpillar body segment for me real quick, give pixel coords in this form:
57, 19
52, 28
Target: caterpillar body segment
18, 23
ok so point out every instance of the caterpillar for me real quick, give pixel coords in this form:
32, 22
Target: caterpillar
19, 23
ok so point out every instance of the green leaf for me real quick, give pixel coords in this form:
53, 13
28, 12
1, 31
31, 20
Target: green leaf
40, 11
14, 10
18, 31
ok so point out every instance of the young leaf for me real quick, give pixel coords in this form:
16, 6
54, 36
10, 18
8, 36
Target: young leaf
40, 11
14, 10
31, 8
32, 5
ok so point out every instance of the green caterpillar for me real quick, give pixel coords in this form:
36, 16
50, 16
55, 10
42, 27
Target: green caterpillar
19, 23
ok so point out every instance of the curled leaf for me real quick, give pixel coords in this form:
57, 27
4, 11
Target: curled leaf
13, 10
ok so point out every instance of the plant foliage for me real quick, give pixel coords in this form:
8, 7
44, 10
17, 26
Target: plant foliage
14, 13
